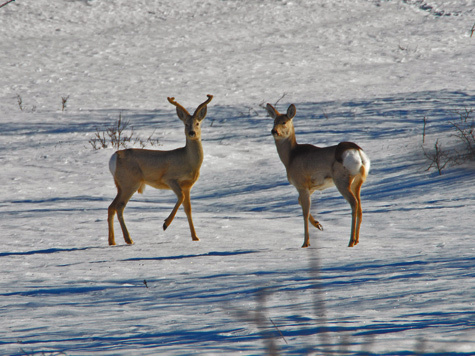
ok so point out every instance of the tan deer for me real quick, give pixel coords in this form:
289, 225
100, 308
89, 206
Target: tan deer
311, 168
177, 170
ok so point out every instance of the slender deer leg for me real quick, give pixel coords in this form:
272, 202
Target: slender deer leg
312, 220
187, 207
354, 211
344, 187
110, 221
304, 198
125, 232
180, 197
356, 188
315, 223
118, 206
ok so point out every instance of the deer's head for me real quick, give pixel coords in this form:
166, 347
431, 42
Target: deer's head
283, 124
192, 122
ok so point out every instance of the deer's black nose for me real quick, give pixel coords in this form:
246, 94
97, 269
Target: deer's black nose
192, 133
273, 132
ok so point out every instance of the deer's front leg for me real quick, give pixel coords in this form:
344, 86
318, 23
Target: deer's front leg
180, 197
315, 223
187, 206
312, 220
304, 199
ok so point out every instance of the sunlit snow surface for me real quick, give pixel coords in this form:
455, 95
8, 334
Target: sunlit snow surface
362, 71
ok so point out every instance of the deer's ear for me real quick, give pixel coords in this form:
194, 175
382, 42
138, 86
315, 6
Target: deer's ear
273, 113
201, 113
183, 115
291, 111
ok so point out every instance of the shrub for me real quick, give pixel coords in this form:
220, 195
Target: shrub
464, 132
120, 136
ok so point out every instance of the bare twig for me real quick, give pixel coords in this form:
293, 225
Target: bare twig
424, 131
283, 96
439, 158
20, 102
64, 100
251, 112
259, 320
472, 31
43, 353
6, 3
281, 335
465, 131
325, 115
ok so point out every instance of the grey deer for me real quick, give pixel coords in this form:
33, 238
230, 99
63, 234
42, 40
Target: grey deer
177, 170
311, 168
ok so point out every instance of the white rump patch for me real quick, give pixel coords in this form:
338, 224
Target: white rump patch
113, 163
352, 161
365, 160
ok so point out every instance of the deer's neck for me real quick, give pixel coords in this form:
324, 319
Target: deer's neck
194, 152
285, 147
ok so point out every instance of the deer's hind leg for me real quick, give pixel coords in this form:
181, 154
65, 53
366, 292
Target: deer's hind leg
356, 189
344, 184
118, 206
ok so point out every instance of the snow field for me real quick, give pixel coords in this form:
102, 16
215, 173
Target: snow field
362, 71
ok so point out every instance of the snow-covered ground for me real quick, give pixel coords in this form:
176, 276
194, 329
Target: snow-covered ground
367, 71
